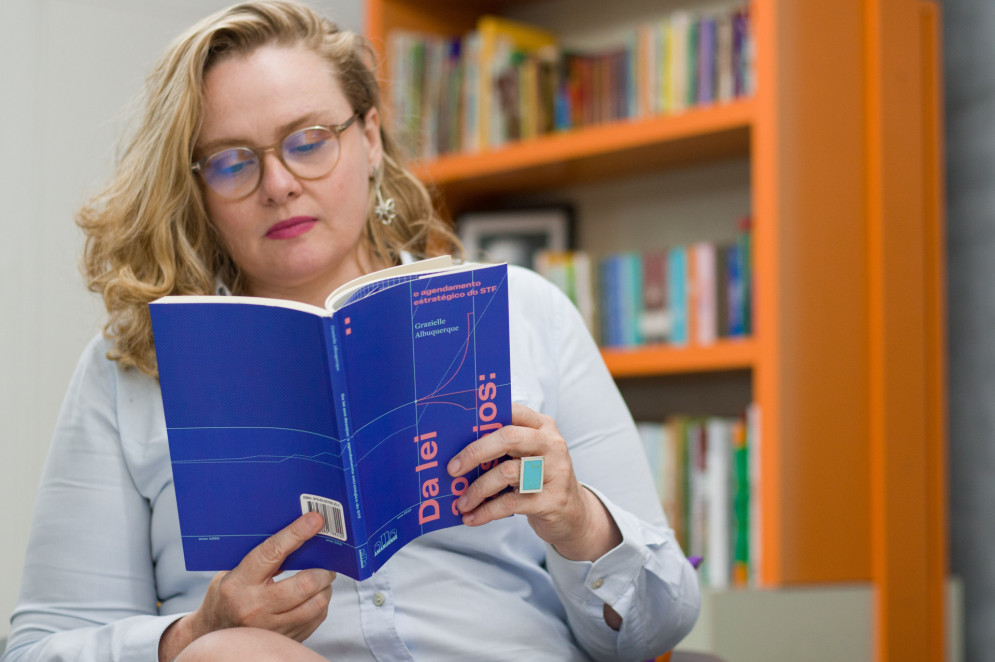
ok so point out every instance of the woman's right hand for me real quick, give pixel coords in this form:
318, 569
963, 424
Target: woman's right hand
248, 596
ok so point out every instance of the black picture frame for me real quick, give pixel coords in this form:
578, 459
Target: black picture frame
515, 235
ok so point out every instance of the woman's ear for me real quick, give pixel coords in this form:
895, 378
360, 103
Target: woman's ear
371, 133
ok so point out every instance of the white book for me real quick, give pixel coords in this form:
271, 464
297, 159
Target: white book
718, 469
706, 306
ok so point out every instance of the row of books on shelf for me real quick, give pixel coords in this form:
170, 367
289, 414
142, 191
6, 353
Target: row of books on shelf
693, 294
508, 81
706, 471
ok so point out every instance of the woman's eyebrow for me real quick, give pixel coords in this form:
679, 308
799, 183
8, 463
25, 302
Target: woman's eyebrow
307, 119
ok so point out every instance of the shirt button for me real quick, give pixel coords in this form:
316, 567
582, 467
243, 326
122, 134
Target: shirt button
598, 583
378, 599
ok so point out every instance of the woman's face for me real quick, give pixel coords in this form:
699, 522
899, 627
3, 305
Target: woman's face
292, 238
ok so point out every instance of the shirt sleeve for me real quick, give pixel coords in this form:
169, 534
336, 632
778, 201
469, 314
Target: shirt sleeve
88, 588
646, 579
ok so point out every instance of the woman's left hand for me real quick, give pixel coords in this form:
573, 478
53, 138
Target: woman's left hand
564, 513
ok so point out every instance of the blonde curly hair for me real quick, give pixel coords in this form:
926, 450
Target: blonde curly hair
147, 231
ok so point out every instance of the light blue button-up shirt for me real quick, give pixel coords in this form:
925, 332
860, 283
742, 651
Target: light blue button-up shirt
105, 544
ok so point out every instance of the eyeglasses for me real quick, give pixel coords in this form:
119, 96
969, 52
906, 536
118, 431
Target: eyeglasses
307, 153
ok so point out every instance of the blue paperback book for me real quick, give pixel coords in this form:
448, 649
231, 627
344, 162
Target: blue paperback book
275, 408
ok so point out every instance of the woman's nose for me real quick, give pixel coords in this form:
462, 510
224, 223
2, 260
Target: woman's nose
278, 182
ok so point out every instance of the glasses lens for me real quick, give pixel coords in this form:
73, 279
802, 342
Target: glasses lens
311, 152
233, 172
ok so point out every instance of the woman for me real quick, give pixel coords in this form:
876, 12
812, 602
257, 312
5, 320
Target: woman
262, 168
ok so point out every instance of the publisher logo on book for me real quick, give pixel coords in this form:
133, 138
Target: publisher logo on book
385, 541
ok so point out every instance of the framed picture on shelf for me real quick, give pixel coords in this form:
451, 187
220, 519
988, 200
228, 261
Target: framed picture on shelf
515, 235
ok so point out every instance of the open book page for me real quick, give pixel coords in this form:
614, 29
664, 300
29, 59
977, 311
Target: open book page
344, 292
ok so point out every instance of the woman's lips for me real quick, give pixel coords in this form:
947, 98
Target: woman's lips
291, 227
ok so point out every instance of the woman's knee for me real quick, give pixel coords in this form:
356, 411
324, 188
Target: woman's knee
241, 644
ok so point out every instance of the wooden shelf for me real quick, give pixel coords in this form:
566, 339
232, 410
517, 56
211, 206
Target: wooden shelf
597, 153
649, 360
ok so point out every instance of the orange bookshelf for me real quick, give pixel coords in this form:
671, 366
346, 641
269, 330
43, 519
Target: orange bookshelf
597, 152
649, 360
844, 141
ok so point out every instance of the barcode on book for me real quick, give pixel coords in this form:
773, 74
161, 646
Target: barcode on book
330, 509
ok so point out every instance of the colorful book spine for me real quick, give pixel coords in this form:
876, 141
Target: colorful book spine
706, 60
677, 52
754, 443
612, 311
677, 294
736, 291
655, 318
741, 505
745, 245
703, 277
632, 298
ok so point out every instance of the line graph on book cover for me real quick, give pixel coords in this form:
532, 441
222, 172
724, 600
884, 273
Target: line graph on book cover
465, 399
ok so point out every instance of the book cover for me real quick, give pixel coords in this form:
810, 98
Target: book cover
274, 408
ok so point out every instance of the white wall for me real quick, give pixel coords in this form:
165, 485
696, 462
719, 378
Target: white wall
68, 68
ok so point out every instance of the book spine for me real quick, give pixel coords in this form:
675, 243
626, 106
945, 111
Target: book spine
633, 298
745, 244
698, 493
755, 478
721, 289
337, 374
735, 297
719, 518
655, 320
677, 295
704, 287
741, 506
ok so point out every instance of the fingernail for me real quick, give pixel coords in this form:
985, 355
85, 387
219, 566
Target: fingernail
461, 503
469, 519
453, 466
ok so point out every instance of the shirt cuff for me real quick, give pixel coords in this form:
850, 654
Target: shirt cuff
610, 579
141, 642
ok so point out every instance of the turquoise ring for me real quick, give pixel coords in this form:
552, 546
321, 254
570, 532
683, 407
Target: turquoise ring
530, 475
